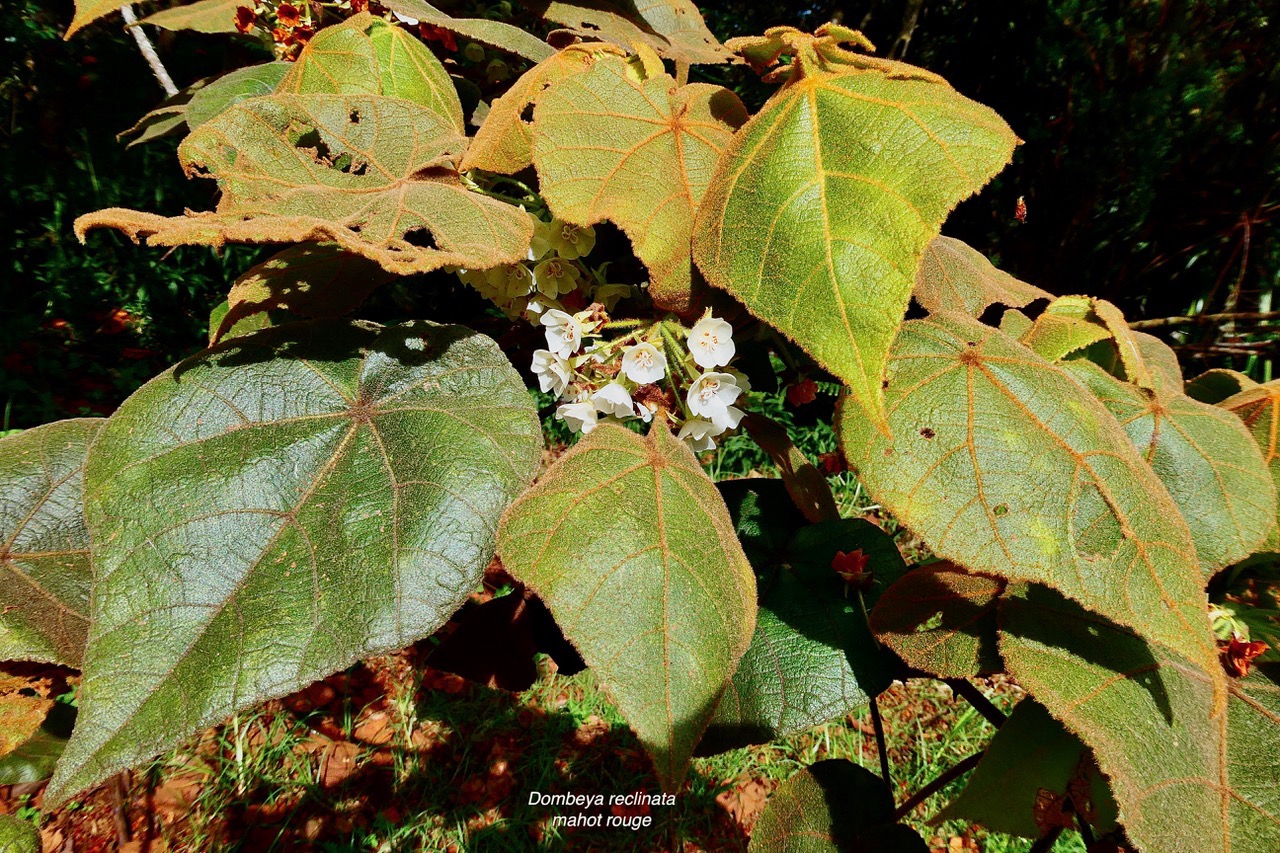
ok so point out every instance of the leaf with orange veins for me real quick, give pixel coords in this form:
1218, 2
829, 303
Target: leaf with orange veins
503, 143
1259, 408
640, 153
675, 29
954, 276
823, 205
1003, 463
376, 175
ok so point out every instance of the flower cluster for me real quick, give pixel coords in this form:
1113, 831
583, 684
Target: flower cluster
554, 277
641, 374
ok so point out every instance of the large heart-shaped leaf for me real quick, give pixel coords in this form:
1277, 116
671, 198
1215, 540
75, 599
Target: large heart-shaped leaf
1259, 407
1149, 716
367, 56
812, 657
830, 807
45, 573
504, 142
953, 276
275, 508
493, 33
821, 209
1006, 465
941, 620
310, 280
372, 174
1035, 777
1210, 464
639, 153
631, 548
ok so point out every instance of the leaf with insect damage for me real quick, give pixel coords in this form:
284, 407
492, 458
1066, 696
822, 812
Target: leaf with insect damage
625, 530
822, 208
376, 175
45, 572
368, 56
1259, 407
674, 29
1206, 458
639, 153
942, 620
1006, 465
504, 142
311, 280
829, 807
953, 276
492, 33
276, 508
1149, 716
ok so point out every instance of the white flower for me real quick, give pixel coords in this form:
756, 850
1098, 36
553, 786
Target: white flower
699, 432
712, 395
711, 342
553, 372
581, 417
646, 411
563, 331
643, 364
405, 19
614, 400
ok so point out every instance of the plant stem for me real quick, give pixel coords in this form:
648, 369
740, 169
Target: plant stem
148, 51
881, 746
978, 700
1205, 319
939, 782
1045, 842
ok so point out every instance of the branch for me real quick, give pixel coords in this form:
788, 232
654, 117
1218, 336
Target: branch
1205, 319
978, 700
1046, 842
148, 51
941, 781
881, 747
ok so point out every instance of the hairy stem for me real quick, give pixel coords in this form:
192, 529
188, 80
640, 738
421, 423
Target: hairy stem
939, 782
881, 746
148, 51
1045, 842
978, 700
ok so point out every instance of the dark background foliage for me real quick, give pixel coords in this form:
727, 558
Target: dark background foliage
1150, 172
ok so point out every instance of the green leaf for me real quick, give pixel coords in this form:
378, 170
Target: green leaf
298, 168
230, 89
830, 807
45, 573
673, 28
1149, 716
628, 531
504, 142
1259, 407
88, 11
1206, 458
203, 16
812, 657
764, 517
1214, 386
639, 153
18, 835
1095, 329
278, 507
807, 486
821, 209
1005, 465
165, 120
942, 620
1064, 327
956, 277
34, 759
256, 322
310, 280
367, 56
492, 33
1026, 777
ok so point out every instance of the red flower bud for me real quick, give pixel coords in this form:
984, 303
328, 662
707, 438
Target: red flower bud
852, 568
1238, 655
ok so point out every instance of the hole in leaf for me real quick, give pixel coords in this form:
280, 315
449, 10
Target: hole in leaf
422, 238
1001, 509
928, 432
354, 117
526, 114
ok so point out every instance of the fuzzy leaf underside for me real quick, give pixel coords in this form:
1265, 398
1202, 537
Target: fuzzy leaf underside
370, 173
203, 16
45, 571
638, 153
273, 509
953, 276
1259, 407
1007, 466
822, 207
673, 28
625, 530
1206, 458
492, 33
253, 82
1147, 713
